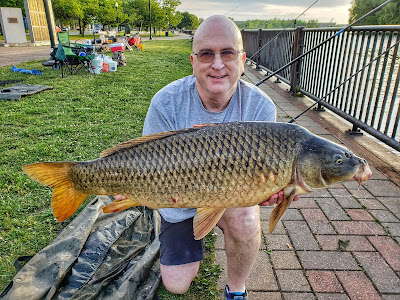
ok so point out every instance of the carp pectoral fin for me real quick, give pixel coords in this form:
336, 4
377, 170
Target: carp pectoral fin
277, 213
205, 220
120, 205
289, 192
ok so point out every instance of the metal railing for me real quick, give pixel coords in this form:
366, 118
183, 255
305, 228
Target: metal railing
356, 74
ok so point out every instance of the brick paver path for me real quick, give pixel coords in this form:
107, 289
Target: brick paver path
337, 243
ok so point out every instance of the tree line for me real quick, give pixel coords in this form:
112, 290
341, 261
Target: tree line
276, 23
128, 13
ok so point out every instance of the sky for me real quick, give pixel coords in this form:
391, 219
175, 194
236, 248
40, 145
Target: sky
241, 10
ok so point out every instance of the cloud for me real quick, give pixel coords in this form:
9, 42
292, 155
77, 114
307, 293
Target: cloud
323, 10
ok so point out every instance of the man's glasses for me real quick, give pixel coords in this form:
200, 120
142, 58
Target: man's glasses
208, 56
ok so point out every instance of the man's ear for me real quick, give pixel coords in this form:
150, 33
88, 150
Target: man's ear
244, 57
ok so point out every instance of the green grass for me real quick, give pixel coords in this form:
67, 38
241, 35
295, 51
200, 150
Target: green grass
28, 38
75, 121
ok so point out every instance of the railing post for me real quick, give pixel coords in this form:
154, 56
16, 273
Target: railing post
258, 50
297, 50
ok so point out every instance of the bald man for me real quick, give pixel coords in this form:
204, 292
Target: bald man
213, 94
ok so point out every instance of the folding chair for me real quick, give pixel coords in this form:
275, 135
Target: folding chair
136, 42
73, 58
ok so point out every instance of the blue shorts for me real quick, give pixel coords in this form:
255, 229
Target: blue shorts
178, 245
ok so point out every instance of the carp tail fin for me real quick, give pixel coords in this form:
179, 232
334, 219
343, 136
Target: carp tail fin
205, 220
120, 205
66, 199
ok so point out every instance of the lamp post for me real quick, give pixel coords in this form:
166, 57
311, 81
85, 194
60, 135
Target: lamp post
116, 8
150, 19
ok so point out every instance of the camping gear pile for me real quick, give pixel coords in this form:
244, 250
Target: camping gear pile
84, 59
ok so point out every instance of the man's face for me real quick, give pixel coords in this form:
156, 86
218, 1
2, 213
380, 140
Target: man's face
217, 78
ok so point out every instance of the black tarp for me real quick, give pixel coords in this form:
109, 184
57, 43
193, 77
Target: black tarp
15, 92
97, 256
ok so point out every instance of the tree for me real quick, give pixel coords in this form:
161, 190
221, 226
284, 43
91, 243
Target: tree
387, 15
13, 3
195, 21
89, 14
172, 17
67, 10
106, 12
189, 21
140, 8
131, 12
391, 13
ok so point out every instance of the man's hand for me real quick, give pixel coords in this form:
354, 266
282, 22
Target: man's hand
119, 197
276, 199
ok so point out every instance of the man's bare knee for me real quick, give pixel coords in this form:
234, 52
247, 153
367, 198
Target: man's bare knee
242, 224
174, 286
177, 279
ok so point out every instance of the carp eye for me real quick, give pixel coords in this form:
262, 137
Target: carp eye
338, 159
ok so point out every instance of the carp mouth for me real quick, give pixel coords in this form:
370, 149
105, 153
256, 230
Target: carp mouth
363, 174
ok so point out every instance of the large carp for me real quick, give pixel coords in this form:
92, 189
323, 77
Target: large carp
210, 167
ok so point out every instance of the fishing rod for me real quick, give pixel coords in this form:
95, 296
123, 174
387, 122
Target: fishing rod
270, 41
330, 92
323, 42
232, 9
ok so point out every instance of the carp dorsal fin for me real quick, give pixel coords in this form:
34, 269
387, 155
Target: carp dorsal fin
150, 137
205, 220
206, 125
138, 141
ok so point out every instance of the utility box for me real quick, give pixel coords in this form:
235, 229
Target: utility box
12, 25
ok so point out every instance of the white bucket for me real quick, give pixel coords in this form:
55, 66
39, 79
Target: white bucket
107, 59
97, 65
113, 66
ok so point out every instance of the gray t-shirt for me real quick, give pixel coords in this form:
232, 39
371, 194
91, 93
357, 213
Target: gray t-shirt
178, 105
